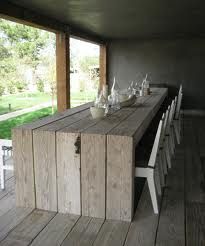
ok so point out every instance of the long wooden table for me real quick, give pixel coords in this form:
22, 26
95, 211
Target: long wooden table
72, 163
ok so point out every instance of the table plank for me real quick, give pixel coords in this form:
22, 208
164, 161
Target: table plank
68, 166
120, 178
68, 173
23, 166
44, 149
142, 116
57, 116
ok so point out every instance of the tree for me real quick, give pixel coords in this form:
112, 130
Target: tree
26, 41
19, 44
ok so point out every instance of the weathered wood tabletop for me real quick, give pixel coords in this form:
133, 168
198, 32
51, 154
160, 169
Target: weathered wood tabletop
72, 163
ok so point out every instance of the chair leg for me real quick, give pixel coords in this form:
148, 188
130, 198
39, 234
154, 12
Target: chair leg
171, 143
161, 171
164, 162
179, 127
153, 194
157, 179
2, 173
167, 154
176, 130
173, 137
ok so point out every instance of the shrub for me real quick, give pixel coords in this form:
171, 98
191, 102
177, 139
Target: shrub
2, 89
40, 85
11, 88
20, 85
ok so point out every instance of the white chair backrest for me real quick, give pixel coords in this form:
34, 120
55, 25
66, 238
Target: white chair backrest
174, 109
155, 148
166, 120
180, 89
163, 130
178, 107
170, 117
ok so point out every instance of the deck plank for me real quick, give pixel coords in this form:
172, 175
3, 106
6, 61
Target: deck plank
112, 233
171, 229
56, 231
28, 229
84, 233
194, 188
9, 186
199, 123
11, 219
195, 224
7, 202
145, 222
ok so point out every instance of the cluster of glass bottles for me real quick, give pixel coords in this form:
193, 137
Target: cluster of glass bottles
103, 100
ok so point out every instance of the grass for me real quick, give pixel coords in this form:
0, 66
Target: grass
22, 100
7, 125
26, 100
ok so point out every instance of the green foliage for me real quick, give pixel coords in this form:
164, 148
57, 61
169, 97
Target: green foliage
11, 87
2, 88
87, 62
20, 85
7, 125
26, 41
20, 46
40, 85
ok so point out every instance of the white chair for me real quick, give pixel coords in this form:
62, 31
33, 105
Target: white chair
163, 151
177, 117
150, 170
172, 135
5, 159
167, 139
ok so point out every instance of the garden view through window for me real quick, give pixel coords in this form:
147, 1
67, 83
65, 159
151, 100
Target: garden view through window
28, 74
84, 71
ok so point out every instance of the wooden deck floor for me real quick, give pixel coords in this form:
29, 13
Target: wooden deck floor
181, 220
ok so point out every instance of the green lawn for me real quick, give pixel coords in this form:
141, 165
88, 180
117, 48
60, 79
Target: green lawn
22, 100
26, 100
7, 125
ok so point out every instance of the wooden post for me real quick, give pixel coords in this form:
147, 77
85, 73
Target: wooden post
63, 71
103, 65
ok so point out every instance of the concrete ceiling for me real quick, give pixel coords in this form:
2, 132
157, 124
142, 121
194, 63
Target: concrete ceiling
113, 19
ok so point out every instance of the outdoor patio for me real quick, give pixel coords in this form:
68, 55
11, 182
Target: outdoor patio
180, 221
